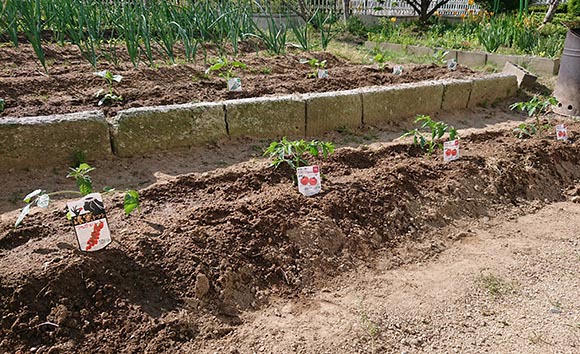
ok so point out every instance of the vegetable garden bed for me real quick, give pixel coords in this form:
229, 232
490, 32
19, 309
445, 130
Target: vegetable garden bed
210, 246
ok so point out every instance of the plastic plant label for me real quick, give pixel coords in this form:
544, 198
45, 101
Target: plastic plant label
561, 132
451, 150
309, 180
322, 74
90, 222
452, 64
235, 84
398, 70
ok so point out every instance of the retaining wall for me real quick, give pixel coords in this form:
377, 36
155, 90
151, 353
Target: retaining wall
29, 142
537, 65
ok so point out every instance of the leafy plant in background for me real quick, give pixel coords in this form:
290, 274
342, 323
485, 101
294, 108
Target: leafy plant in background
323, 22
315, 65
301, 33
108, 95
84, 183
439, 57
535, 107
435, 131
294, 152
225, 68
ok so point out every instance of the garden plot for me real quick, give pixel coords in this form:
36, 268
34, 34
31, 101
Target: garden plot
72, 85
209, 247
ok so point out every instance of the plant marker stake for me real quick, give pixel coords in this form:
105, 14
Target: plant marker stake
322, 74
309, 182
561, 132
451, 150
90, 222
452, 64
398, 70
235, 84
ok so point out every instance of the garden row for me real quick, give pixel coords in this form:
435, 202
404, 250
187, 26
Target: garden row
33, 141
475, 59
150, 30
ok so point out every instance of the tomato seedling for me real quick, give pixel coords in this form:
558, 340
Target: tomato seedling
435, 130
108, 95
84, 183
293, 152
535, 108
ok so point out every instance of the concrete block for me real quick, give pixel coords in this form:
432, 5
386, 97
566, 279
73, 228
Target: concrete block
388, 105
451, 54
53, 140
392, 47
543, 65
456, 94
266, 117
139, 131
471, 59
420, 51
499, 60
370, 45
489, 89
524, 77
331, 110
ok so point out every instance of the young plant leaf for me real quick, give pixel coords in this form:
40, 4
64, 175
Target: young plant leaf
32, 195
131, 202
22, 215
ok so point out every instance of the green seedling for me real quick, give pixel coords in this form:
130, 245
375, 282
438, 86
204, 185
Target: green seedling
2, 105
435, 132
315, 65
535, 108
108, 95
294, 152
525, 130
439, 57
84, 183
225, 68
381, 59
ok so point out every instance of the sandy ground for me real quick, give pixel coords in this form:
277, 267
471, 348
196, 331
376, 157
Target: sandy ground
507, 285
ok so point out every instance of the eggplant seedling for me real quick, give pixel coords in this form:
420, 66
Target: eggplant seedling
108, 95
435, 131
225, 68
84, 183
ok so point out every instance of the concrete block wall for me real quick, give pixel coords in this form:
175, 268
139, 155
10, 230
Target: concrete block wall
29, 142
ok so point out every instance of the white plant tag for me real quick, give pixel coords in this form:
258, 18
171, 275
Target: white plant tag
90, 222
561, 132
452, 64
322, 74
309, 180
451, 150
398, 70
235, 84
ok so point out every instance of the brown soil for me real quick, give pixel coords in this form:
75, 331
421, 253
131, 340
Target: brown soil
211, 248
70, 85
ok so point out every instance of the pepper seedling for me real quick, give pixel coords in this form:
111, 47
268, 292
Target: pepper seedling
83, 180
109, 94
315, 65
225, 67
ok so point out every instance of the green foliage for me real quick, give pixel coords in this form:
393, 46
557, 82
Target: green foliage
84, 183
356, 27
535, 107
293, 152
324, 22
435, 132
108, 95
439, 57
301, 33
499, 6
315, 65
225, 68
574, 7
2, 105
